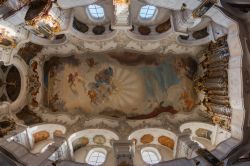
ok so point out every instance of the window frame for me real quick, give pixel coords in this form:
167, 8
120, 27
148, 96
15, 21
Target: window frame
152, 150
91, 16
145, 18
98, 150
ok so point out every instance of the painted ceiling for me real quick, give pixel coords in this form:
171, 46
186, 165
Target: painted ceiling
120, 84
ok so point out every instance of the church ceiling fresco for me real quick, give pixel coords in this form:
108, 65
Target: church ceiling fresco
120, 84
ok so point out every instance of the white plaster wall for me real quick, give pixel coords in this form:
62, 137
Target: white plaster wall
221, 135
22, 138
81, 154
41, 146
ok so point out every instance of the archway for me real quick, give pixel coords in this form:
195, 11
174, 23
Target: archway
161, 142
83, 142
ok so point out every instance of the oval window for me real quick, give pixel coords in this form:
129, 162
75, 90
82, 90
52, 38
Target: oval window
147, 12
96, 11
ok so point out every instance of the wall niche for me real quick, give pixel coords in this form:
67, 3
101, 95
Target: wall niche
200, 34
144, 30
98, 30
80, 26
164, 27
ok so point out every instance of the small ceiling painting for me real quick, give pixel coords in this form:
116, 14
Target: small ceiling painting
40, 136
99, 139
147, 138
166, 141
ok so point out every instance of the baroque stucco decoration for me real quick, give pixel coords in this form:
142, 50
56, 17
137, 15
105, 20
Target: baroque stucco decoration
162, 45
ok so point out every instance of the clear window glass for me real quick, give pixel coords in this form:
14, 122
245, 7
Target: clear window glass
150, 155
96, 11
147, 11
96, 157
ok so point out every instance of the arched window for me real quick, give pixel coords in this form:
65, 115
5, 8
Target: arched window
147, 12
96, 11
150, 155
96, 156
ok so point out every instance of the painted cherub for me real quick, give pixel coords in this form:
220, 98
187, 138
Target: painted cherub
73, 78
